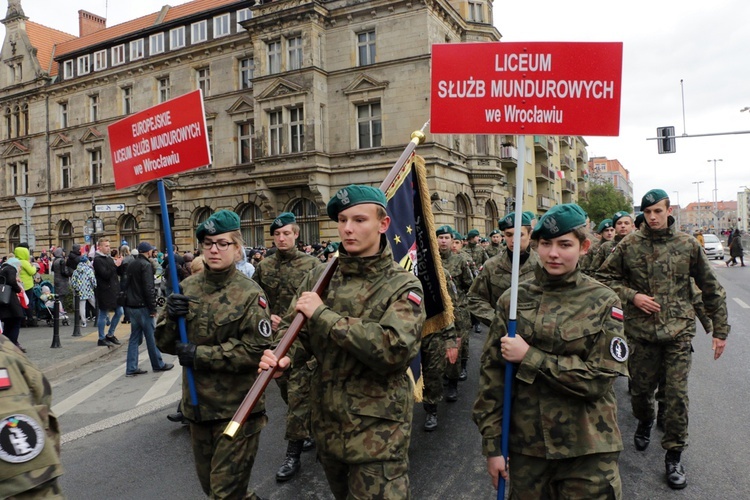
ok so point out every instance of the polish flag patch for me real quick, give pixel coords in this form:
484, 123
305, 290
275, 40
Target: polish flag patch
617, 313
262, 302
4, 379
414, 298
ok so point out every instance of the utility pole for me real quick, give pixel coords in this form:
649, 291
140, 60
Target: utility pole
698, 185
716, 196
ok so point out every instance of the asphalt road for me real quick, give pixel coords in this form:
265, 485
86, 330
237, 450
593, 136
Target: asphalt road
117, 443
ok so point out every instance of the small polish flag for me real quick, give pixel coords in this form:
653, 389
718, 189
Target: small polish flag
4, 379
414, 298
560, 174
617, 313
262, 302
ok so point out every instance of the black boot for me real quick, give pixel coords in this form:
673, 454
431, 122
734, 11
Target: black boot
430, 423
291, 464
451, 393
660, 416
308, 444
464, 375
177, 417
675, 471
643, 434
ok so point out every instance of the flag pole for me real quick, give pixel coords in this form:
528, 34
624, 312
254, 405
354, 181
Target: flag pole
516, 264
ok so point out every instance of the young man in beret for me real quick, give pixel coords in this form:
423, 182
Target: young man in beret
474, 249
570, 349
604, 232
364, 330
279, 276
496, 243
651, 270
622, 222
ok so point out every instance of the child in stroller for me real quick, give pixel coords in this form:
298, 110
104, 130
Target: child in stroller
44, 291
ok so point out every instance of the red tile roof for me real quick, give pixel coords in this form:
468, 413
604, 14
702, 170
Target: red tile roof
142, 23
43, 39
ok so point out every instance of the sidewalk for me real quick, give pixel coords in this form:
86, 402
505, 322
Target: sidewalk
73, 351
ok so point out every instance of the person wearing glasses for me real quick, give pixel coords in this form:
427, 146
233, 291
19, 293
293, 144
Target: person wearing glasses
228, 327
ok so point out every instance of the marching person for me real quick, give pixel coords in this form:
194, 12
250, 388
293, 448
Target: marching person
604, 232
364, 331
228, 327
570, 349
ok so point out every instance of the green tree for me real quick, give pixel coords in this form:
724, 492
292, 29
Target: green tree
603, 200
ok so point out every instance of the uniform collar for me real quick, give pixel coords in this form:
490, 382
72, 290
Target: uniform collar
349, 265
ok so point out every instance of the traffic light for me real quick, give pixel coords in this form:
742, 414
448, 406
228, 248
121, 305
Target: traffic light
667, 143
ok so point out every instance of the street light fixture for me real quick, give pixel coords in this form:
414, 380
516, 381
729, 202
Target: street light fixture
698, 185
716, 196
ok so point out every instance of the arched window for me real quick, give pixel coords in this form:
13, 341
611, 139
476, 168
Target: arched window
8, 124
490, 210
25, 118
462, 215
306, 213
129, 230
14, 237
201, 215
251, 225
65, 235
17, 121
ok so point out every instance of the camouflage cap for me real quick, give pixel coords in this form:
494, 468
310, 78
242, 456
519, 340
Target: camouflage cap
282, 220
619, 215
444, 230
653, 197
220, 222
509, 220
472, 233
559, 220
353, 195
330, 248
639, 219
605, 224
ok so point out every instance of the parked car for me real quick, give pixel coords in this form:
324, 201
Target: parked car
714, 247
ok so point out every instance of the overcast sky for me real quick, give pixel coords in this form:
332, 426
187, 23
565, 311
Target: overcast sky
706, 44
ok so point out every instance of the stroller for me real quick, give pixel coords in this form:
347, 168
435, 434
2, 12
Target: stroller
45, 294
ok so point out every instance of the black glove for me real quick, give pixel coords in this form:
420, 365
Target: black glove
186, 353
177, 305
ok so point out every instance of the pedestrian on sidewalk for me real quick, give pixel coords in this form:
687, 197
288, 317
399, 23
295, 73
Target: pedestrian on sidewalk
141, 307
83, 283
107, 288
26, 275
12, 314
736, 250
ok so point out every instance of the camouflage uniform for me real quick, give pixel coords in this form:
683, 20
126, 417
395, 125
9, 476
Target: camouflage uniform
229, 322
564, 406
660, 263
433, 353
584, 263
34, 450
364, 337
495, 278
493, 250
602, 253
458, 266
476, 252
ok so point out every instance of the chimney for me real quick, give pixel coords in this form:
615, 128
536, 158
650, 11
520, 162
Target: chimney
89, 23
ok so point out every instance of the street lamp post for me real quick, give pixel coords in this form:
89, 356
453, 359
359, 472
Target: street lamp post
679, 210
716, 197
698, 185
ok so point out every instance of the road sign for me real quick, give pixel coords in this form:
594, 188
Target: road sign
117, 207
546, 88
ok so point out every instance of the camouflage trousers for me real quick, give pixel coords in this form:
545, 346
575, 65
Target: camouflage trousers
453, 370
648, 361
224, 466
50, 490
433, 367
373, 480
298, 399
463, 324
593, 477
283, 383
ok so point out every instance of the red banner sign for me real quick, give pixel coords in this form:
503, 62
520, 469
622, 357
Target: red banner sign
160, 141
548, 88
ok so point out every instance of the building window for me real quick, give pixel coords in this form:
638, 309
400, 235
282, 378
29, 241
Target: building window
129, 230
251, 225
297, 129
275, 127
156, 44
136, 49
294, 46
20, 177
462, 215
221, 25
97, 166
482, 144
100, 60
366, 48
245, 134
476, 13
247, 68
118, 55
68, 69
94, 107
63, 114
177, 38
25, 118
65, 234
203, 77
491, 216
306, 212
17, 121
274, 57
369, 126
84, 65
243, 15
163, 88
8, 123
210, 137
66, 179
198, 32
127, 100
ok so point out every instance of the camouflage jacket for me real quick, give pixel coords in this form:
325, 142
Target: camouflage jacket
449, 333
563, 398
476, 252
602, 253
280, 274
660, 264
494, 279
29, 432
584, 263
229, 321
493, 250
363, 337
460, 270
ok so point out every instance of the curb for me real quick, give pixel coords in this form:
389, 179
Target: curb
59, 369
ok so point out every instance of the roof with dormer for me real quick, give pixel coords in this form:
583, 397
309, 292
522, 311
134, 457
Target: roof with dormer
44, 39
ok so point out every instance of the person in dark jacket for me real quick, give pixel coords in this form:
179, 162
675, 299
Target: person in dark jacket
140, 305
12, 314
107, 288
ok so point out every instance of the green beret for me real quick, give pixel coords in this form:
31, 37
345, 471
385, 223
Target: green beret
619, 215
483, 240
639, 219
559, 220
605, 224
332, 247
472, 233
457, 235
509, 221
444, 230
282, 220
531, 215
352, 195
494, 232
220, 222
653, 197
